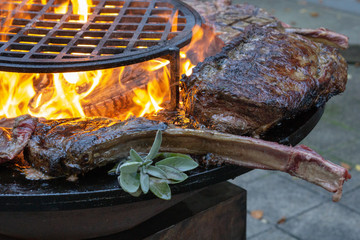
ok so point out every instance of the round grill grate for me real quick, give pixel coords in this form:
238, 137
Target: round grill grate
117, 33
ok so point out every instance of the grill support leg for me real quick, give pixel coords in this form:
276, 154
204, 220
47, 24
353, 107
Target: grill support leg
174, 58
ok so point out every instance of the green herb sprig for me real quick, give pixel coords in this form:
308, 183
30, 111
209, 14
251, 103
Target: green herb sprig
138, 174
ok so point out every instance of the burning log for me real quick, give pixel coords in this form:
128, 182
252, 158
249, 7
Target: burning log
119, 91
75, 146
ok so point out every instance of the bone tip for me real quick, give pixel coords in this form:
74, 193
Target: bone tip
337, 195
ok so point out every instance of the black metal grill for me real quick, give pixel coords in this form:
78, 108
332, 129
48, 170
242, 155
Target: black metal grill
117, 33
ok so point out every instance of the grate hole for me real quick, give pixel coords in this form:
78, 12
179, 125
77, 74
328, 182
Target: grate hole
28, 40
87, 42
43, 56
109, 12
98, 26
123, 27
65, 33
12, 30
150, 36
75, 56
140, 12
12, 54
154, 28
58, 41
34, 8
112, 4
93, 34
163, 5
50, 49
36, 32
74, 19
53, 9
80, 51
6, 7
145, 44
161, 12
121, 35
130, 20
104, 19
28, 16
116, 43
181, 20
139, 4
51, 17
5, 37
71, 26
164, 19
111, 51
20, 22
18, 47
177, 28
46, 25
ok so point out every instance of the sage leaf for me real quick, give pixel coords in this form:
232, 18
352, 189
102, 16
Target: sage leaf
114, 170
138, 175
135, 156
172, 173
164, 155
129, 182
137, 193
147, 163
130, 167
170, 181
144, 182
155, 147
180, 163
156, 172
160, 189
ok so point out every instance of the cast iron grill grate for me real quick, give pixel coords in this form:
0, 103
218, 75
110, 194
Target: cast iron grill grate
117, 33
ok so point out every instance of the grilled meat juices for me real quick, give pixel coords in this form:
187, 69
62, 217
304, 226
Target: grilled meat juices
264, 76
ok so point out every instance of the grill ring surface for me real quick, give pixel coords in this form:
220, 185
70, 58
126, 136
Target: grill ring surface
141, 30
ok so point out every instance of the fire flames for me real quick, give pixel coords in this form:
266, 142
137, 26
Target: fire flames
86, 94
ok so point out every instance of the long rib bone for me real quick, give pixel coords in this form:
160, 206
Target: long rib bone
299, 161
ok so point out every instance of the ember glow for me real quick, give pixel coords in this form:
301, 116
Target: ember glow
135, 90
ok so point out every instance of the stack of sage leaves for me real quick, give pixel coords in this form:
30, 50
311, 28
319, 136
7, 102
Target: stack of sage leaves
138, 174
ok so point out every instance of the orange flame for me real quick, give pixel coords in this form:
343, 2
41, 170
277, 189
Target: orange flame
81, 7
81, 94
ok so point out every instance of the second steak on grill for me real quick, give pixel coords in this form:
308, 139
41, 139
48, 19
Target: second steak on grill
262, 77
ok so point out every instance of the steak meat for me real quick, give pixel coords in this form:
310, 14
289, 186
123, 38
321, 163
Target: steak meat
264, 76
14, 136
75, 146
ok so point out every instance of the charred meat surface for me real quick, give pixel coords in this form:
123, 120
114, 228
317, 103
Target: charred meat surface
75, 146
230, 20
260, 78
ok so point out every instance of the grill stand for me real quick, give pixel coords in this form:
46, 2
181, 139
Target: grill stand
174, 58
216, 212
